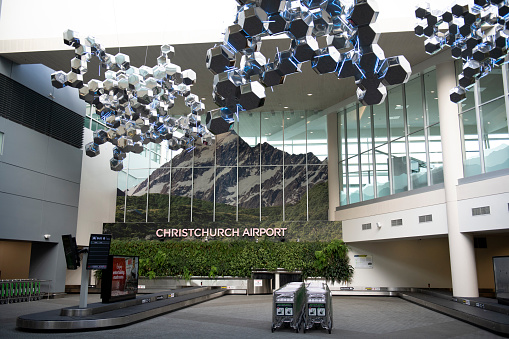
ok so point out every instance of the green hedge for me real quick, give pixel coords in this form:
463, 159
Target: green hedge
233, 258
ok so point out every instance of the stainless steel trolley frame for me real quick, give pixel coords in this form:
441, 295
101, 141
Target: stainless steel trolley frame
318, 306
288, 306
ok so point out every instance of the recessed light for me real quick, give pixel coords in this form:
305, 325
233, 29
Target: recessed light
285, 107
310, 94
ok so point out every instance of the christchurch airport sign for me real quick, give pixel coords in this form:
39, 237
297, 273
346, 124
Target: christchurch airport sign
219, 232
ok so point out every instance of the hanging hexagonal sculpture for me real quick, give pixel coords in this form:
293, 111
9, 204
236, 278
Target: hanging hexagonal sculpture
133, 102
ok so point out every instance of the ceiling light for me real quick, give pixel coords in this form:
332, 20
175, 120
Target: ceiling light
310, 94
285, 107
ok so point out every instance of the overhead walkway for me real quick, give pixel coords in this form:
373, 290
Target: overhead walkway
101, 316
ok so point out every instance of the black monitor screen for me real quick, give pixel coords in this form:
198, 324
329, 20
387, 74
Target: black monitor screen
98, 251
71, 251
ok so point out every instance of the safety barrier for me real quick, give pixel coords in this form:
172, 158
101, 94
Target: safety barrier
19, 290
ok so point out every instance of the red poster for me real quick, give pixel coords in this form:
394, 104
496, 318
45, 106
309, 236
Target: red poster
119, 276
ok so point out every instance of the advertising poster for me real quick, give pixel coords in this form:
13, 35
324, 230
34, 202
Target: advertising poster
124, 278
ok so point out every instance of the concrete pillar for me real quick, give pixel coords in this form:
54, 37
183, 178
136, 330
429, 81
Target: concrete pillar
461, 245
333, 164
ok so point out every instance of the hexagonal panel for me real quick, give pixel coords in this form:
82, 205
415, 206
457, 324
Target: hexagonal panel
92, 149
252, 64
216, 124
253, 20
227, 84
188, 77
368, 34
59, 79
277, 24
286, 63
365, 12
398, 70
372, 95
252, 95
457, 94
301, 27
371, 58
235, 37
326, 60
304, 49
116, 165
272, 76
219, 59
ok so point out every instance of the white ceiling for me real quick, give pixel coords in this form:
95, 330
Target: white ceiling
326, 89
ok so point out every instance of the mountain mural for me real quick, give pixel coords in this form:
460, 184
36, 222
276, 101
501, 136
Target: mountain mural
226, 177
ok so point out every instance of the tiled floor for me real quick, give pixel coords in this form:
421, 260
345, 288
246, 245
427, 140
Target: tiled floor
237, 316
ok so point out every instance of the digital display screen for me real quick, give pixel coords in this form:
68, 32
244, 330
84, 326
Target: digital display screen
124, 280
72, 259
98, 251
120, 280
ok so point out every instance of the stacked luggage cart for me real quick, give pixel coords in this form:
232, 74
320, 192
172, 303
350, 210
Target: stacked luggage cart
318, 309
19, 290
289, 303
302, 305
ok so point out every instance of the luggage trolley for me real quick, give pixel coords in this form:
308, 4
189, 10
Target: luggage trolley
318, 306
288, 306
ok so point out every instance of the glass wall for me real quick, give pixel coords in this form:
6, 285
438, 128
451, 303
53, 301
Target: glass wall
391, 147
272, 166
484, 127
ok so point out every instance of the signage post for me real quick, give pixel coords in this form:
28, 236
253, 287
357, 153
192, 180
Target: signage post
94, 258
84, 281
